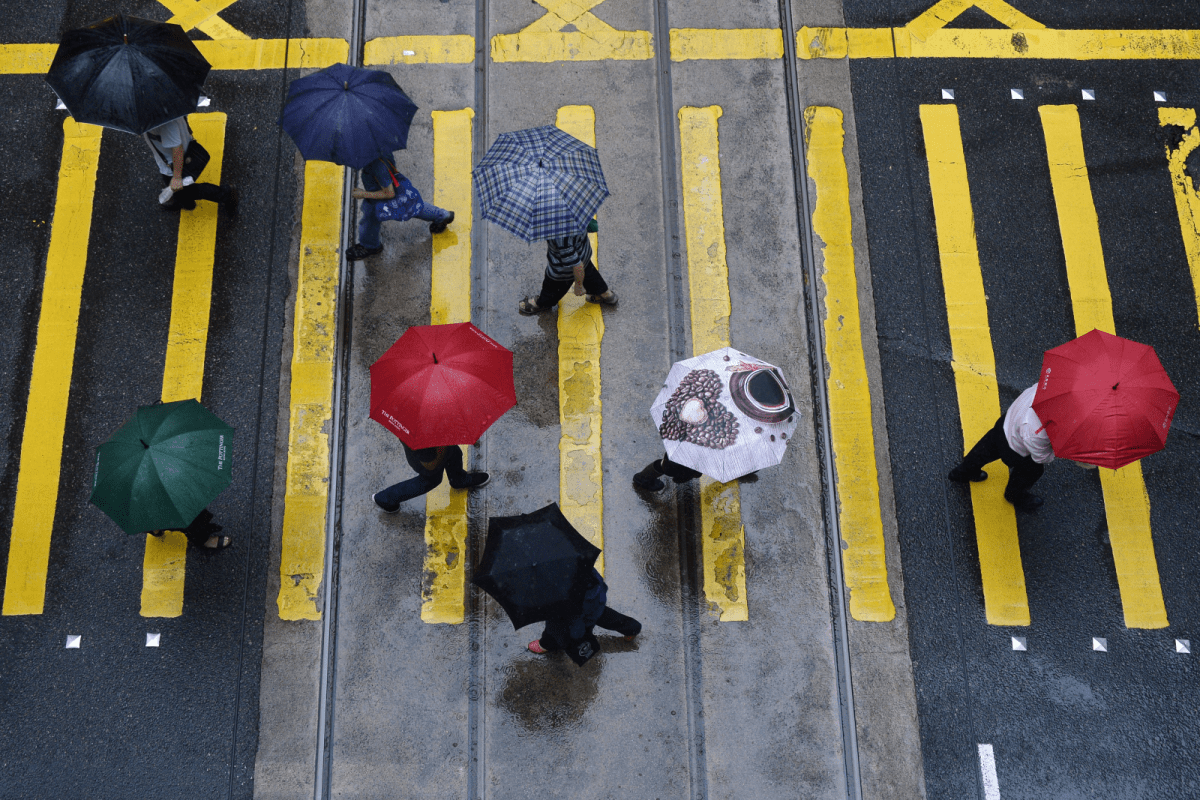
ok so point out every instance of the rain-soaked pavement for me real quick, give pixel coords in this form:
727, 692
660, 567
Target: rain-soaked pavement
286, 668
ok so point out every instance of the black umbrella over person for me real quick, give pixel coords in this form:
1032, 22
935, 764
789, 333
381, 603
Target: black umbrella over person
536, 566
128, 73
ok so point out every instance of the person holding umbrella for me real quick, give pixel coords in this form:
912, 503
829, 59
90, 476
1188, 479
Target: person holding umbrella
202, 533
176, 153
429, 463
358, 118
572, 632
543, 183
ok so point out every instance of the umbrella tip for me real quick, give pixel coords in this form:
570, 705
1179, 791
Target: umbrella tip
346, 85
436, 361
1115, 385
144, 445
125, 36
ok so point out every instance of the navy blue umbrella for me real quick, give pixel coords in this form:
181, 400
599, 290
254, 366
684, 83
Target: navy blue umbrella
347, 115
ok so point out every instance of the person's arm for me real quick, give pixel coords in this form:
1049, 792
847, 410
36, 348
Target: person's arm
579, 268
386, 193
177, 168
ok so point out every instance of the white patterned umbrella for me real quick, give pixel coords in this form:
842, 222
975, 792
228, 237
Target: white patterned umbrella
725, 414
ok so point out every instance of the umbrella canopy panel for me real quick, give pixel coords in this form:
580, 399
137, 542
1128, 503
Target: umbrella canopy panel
128, 73
725, 414
1105, 400
160, 469
536, 566
442, 385
540, 183
348, 115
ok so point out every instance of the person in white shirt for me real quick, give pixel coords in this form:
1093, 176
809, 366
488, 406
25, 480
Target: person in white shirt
1019, 439
168, 142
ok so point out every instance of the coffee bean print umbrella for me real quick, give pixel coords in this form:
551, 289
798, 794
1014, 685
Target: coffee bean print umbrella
725, 414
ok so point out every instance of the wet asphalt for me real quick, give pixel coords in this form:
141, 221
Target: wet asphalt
1064, 721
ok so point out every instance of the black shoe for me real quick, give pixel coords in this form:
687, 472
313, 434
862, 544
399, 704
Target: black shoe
358, 252
1026, 502
648, 479
960, 475
474, 480
438, 227
382, 507
229, 203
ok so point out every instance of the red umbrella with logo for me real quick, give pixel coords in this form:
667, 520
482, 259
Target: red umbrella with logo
1105, 400
442, 385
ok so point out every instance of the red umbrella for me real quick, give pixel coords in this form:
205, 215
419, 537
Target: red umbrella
442, 385
1105, 400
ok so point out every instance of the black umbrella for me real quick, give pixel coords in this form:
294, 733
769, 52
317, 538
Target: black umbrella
128, 73
536, 566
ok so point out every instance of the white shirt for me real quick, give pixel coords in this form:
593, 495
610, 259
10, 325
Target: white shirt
1025, 433
164, 139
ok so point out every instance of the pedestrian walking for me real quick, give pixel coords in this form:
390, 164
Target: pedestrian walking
386, 195
569, 265
1020, 440
574, 634
429, 463
181, 160
202, 533
650, 478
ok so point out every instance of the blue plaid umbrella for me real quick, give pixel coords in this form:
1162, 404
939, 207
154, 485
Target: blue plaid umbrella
540, 183
348, 115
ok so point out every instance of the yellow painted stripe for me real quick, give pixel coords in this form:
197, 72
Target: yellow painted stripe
853, 432
218, 28
26, 59
1026, 43
722, 536
190, 13
974, 363
165, 559
1125, 500
544, 40
450, 301
1187, 199
420, 50
306, 493
580, 334
942, 13
719, 43
50, 381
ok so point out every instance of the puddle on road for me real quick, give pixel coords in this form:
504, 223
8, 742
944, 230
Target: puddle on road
535, 377
550, 693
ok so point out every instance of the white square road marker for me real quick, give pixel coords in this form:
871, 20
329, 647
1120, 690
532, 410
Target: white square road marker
1089, 94
1017, 94
987, 771
947, 94
1183, 646
60, 105
1160, 97
1018, 643
1099, 644
152, 639
73, 642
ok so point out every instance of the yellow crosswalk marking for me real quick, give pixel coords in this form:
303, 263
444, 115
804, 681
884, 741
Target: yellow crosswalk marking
974, 364
450, 301
26, 59
1187, 199
50, 382
419, 50
223, 54
722, 536
734, 43
853, 433
592, 40
306, 493
165, 559
1125, 500
580, 334
202, 14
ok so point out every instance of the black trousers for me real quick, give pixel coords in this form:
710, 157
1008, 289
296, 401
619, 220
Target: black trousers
1023, 471
556, 636
679, 472
554, 290
187, 196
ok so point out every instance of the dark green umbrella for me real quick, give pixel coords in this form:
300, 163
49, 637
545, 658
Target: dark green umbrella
163, 467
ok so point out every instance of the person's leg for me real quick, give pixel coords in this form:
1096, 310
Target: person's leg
677, 472
553, 290
616, 621
390, 498
650, 478
990, 447
595, 288
554, 636
459, 477
1023, 473
368, 228
438, 218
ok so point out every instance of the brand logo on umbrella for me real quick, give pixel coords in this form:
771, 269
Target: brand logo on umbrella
221, 451
1046, 378
395, 421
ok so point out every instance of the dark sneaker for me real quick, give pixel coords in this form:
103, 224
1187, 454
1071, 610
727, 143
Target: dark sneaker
475, 480
386, 509
358, 252
647, 481
438, 227
960, 475
1027, 502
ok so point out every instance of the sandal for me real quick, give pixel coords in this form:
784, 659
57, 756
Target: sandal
528, 307
536, 647
222, 542
611, 300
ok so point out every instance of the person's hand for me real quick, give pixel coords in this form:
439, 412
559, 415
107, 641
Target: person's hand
358, 194
176, 184
578, 288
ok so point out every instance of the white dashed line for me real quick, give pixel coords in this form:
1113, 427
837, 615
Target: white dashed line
987, 768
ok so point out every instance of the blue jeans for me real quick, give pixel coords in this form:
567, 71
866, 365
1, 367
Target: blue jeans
368, 224
426, 479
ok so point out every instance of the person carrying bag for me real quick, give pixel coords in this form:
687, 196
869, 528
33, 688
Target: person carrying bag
181, 159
